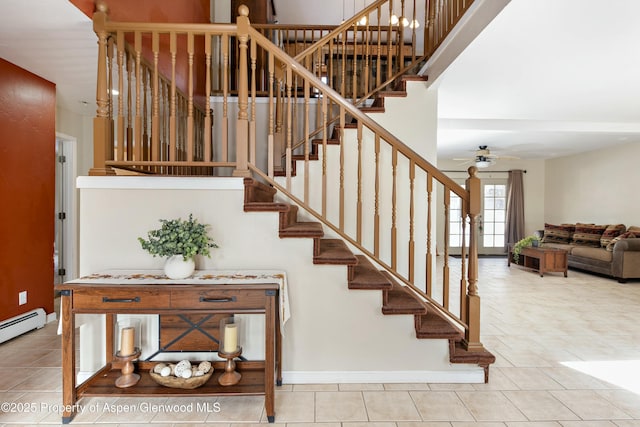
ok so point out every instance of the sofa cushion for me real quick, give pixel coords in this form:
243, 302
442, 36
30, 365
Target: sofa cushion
558, 233
588, 235
612, 231
627, 235
634, 229
593, 253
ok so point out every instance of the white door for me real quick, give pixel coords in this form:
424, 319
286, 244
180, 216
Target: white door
491, 222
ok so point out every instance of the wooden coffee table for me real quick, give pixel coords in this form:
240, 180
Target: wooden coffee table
542, 259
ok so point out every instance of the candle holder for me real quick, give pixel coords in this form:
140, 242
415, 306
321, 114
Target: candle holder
230, 376
127, 378
229, 349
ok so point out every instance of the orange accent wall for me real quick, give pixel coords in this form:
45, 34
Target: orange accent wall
27, 186
177, 11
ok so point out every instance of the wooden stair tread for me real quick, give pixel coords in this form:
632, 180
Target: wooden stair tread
364, 275
332, 251
265, 207
302, 229
459, 354
397, 300
433, 325
393, 93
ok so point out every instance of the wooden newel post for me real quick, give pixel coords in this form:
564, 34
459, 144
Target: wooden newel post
429, 31
102, 131
472, 334
242, 126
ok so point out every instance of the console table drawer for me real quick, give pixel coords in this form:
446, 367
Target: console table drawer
107, 299
217, 299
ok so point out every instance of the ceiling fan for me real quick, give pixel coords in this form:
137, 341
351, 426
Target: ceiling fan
483, 157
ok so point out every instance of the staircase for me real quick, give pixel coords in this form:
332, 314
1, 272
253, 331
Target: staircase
171, 136
429, 322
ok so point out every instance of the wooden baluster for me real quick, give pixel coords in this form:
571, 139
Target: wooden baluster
429, 260
252, 122
190, 52
445, 265
120, 120
130, 67
463, 260
376, 211
359, 186
278, 142
155, 121
138, 79
390, 43
289, 131
173, 149
394, 192
225, 99
354, 82
324, 157
367, 59
206, 124
412, 244
343, 58
400, 63
472, 336
330, 80
342, 144
378, 54
242, 127
307, 91
101, 134
145, 115
270, 138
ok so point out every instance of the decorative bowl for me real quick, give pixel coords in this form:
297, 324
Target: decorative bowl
186, 383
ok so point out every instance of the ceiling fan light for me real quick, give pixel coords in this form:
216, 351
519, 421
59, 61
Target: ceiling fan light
394, 19
483, 164
414, 24
363, 21
405, 22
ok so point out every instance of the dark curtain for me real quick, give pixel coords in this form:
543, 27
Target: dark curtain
515, 208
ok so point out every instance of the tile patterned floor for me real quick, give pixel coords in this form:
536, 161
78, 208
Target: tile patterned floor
568, 354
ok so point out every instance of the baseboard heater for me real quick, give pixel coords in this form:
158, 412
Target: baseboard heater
11, 328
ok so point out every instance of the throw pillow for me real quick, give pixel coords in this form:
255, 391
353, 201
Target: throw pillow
588, 235
557, 233
627, 235
613, 230
634, 229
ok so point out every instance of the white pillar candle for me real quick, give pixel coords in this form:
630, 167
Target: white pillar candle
126, 341
230, 338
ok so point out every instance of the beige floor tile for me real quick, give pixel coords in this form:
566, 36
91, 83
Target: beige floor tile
241, 409
295, 406
43, 379
313, 425
476, 424
440, 406
627, 401
424, 424
533, 424
372, 424
125, 410
315, 387
573, 380
589, 405
11, 377
587, 424
531, 379
490, 406
390, 406
360, 387
340, 406
411, 386
627, 423
540, 405
451, 387
31, 408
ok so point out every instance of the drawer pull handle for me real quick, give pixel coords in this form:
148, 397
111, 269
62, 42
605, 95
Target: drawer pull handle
205, 299
107, 299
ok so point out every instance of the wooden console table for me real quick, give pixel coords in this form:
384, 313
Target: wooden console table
150, 292
542, 259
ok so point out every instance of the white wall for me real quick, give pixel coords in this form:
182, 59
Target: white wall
81, 128
334, 334
598, 186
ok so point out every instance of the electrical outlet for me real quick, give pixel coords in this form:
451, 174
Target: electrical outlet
22, 298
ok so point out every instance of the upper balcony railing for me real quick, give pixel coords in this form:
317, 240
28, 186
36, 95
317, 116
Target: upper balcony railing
158, 124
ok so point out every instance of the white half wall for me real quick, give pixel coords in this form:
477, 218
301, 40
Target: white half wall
598, 186
333, 332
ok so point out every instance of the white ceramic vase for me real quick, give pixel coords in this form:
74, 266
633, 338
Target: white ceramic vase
177, 268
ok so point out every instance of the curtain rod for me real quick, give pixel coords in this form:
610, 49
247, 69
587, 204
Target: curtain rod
479, 171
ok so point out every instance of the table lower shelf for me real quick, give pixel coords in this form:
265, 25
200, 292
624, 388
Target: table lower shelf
103, 383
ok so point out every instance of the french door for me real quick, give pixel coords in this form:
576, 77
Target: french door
491, 221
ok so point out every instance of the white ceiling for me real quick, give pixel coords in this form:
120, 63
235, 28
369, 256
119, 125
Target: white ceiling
546, 78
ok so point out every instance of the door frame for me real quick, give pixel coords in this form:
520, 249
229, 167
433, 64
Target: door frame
69, 145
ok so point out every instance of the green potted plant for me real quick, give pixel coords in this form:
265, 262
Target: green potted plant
180, 241
527, 241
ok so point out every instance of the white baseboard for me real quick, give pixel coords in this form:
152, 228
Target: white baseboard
467, 376
52, 317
